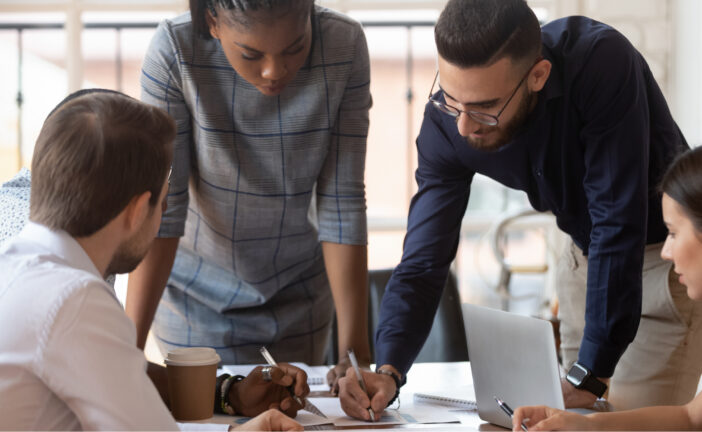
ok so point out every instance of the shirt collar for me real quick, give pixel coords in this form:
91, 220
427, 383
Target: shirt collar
61, 244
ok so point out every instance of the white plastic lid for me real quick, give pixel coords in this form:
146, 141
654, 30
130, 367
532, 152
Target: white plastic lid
192, 357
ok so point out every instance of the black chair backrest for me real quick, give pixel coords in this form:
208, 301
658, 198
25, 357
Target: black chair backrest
446, 341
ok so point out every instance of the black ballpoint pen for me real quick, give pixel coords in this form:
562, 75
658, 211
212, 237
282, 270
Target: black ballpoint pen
504, 407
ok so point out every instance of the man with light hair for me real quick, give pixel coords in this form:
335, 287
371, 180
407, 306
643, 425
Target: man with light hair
68, 355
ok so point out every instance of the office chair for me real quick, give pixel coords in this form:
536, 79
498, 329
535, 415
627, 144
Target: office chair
498, 243
447, 339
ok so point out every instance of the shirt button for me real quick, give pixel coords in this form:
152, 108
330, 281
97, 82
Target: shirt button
538, 173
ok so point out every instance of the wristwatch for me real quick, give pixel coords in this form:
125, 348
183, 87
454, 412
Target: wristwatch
581, 378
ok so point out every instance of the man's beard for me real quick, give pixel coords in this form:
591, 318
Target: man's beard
501, 135
128, 255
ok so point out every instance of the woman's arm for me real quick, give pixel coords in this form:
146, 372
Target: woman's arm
649, 418
341, 201
161, 86
686, 417
347, 270
146, 285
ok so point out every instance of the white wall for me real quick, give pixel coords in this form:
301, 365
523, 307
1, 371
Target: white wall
686, 69
669, 35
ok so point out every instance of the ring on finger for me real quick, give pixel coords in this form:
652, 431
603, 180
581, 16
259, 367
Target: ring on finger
266, 372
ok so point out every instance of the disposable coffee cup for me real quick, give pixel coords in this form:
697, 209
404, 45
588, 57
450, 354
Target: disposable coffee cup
192, 373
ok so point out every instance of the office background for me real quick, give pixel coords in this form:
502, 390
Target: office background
52, 47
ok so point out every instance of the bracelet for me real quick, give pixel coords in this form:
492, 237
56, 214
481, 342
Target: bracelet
218, 406
396, 378
223, 385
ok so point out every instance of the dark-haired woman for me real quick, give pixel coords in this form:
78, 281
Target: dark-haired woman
682, 214
267, 196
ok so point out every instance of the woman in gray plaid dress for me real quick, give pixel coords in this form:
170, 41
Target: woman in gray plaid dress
265, 230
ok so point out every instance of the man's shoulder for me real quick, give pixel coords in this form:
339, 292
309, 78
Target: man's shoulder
34, 274
575, 36
35, 289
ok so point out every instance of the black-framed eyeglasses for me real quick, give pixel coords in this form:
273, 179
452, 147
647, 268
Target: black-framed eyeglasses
480, 117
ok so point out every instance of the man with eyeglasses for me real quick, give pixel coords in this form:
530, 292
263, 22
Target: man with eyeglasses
570, 114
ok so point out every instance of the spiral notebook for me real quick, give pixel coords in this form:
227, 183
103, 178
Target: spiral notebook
461, 398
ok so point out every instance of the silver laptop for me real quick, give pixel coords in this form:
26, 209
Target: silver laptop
512, 357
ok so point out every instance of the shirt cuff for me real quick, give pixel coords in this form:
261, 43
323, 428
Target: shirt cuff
599, 358
384, 356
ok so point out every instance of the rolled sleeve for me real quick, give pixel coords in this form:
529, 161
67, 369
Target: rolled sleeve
341, 196
161, 86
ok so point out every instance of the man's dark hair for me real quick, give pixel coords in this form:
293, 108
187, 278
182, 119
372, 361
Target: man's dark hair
683, 183
480, 32
97, 151
243, 12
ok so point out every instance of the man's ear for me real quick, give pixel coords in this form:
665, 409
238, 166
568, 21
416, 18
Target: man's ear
137, 211
211, 24
539, 75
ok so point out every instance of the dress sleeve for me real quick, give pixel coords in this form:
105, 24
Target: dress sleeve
341, 195
162, 86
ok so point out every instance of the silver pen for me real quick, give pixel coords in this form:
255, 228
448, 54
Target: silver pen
304, 403
361, 382
506, 408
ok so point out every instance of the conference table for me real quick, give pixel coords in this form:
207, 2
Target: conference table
432, 378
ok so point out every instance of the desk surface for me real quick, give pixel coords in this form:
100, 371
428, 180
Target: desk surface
436, 378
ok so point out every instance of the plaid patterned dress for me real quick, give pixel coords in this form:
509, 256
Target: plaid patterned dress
257, 183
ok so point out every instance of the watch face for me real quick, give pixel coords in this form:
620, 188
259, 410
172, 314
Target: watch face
577, 374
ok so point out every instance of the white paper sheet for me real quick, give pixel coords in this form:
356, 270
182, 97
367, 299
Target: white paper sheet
331, 407
303, 417
410, 413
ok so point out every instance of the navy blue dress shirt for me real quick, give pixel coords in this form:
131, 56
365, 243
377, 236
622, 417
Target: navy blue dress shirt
592, 152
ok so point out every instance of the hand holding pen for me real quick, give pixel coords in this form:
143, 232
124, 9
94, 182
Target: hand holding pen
262, 390
361, 382
506, 408
304, 403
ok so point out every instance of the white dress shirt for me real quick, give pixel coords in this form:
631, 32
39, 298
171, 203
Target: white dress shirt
68, 355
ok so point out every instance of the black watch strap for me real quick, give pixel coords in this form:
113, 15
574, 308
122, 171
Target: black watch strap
396, 378
588, 382
595, 386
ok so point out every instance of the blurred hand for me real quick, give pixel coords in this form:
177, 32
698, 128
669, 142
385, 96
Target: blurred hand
577, 398
338, 372
538, 418
355, 402
252, 395
271, 420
